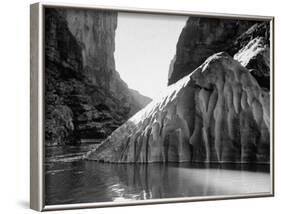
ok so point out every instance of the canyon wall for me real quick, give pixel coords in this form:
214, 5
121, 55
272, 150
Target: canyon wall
85, 96
217, 113
202, 37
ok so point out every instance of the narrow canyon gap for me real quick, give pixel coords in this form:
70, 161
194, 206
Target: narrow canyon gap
145, 45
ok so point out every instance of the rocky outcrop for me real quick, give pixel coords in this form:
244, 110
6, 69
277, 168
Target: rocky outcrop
85, 96
256, 57
254, 53
260, 29
202, 37
218, 113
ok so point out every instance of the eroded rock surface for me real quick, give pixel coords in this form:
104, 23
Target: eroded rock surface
218, 113
85, 96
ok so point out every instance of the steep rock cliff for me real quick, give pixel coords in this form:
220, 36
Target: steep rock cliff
218, 113
254, 52
85, 96
202, 37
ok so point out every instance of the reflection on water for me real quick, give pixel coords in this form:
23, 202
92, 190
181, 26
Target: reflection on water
88, 181
67, 153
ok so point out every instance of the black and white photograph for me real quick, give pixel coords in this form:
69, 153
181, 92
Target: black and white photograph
146, 106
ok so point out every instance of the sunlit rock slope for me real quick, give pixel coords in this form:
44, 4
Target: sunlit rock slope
254, 52
218, 113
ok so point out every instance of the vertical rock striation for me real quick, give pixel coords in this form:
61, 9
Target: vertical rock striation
85, 96
218, 113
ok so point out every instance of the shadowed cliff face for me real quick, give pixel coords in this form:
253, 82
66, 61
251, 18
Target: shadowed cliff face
202, 37
85, 96
254, 52
218, 113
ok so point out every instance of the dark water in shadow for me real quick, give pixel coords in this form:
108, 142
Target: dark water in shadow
88, 181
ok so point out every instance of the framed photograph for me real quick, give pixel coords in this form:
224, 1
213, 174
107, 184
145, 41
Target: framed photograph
137, 106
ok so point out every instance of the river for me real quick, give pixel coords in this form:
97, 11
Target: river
70, 179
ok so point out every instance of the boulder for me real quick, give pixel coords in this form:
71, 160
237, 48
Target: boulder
217, 113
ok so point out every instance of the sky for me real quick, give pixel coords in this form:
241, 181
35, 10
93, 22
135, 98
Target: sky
144, 47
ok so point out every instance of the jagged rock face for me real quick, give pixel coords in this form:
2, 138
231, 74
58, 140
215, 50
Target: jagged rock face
201, 38
63, 60
218, 113
95, 34
256, 57
255, 53
85, 96
257, 30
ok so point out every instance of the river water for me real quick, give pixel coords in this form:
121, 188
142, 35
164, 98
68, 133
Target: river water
70, 179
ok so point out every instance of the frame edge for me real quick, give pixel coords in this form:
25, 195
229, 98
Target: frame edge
36, 102
157, 11
36, 202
